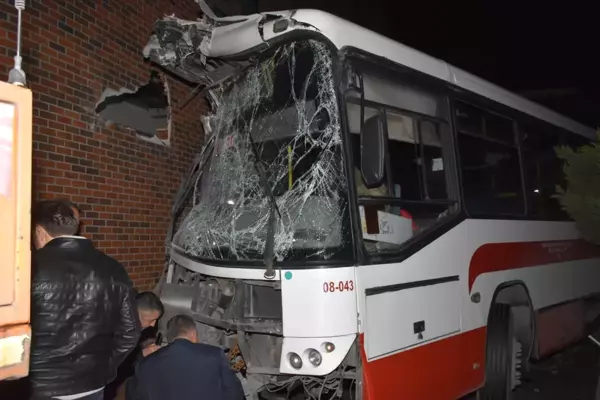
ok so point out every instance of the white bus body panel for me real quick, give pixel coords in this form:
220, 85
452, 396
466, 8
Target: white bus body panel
310, 311
450, 255
392, 316
548, 258
313, 315
301, 346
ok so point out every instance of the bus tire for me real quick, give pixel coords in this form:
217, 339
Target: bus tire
503, 355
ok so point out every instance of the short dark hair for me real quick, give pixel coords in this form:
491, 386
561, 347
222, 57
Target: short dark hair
71, 204
179, 325
149, 301
148, 337
55, 216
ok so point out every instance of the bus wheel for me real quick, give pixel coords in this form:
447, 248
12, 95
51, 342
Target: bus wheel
503, 356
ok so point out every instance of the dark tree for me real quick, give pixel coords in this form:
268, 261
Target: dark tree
581, 196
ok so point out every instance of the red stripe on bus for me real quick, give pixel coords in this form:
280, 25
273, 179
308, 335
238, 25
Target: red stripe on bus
442, 370
493, 257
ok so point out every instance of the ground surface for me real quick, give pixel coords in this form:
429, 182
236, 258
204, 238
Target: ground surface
571, 375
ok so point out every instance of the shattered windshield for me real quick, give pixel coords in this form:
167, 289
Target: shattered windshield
283, 111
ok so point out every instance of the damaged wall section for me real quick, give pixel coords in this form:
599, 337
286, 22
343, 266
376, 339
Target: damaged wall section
146, 110
72, 52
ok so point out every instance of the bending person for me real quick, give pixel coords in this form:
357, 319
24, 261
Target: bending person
185, 369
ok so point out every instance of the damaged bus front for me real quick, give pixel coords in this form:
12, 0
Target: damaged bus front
361, 217
260, 247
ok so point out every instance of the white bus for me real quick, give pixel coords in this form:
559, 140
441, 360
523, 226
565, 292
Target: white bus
367, 220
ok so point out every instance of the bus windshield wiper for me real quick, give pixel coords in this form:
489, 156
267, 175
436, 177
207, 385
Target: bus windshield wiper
273, 209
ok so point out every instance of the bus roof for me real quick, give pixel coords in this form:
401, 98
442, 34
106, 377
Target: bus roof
343, 34
231, 40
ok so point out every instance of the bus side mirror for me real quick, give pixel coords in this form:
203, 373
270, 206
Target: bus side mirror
372, 151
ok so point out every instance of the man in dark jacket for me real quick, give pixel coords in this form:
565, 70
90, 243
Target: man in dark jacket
84, 319
185, 369
150, 309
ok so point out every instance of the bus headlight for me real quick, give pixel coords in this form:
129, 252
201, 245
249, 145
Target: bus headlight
295, 360
329, 347
314, 357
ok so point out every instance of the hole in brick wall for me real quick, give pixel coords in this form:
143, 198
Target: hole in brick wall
145, 110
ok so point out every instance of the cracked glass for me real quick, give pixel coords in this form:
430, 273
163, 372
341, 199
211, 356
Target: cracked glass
282, 112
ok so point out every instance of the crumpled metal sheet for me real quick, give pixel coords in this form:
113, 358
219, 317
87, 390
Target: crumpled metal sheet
207, 51
300, 129
177, 46
194, 50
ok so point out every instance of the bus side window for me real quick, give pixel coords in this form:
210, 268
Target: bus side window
489, 159
417, 159
543, 171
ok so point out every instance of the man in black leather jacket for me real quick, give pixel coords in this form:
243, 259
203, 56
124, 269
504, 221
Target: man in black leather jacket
84, 318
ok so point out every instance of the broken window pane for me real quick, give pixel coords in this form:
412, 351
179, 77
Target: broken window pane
145, 110
282, 113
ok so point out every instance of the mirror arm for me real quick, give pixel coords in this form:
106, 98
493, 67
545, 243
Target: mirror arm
362, 101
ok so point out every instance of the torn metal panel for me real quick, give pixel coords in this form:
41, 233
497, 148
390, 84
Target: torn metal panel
192, 49
176, 45
282, 113
234, 38
238, 18
203, 51
237, 34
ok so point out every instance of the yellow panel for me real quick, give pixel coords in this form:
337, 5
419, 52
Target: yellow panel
15, 232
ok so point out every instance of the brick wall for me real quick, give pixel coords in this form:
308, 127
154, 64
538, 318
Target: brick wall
73, 51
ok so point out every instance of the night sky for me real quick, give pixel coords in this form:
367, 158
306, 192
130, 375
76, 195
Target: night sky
548, 51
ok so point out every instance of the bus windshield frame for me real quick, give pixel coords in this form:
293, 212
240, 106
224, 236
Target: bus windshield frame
280, 115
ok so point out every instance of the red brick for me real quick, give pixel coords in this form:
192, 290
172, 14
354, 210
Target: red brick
115, 177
